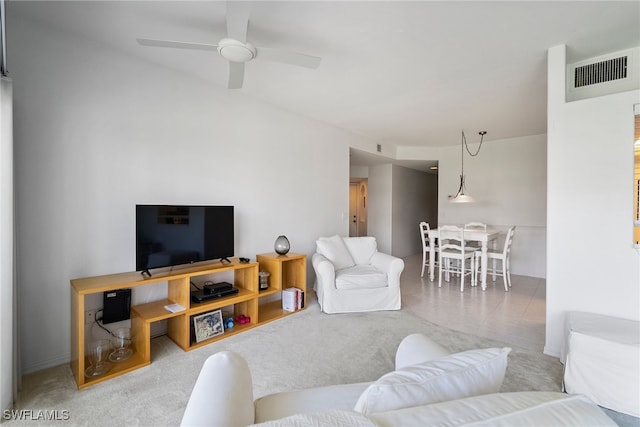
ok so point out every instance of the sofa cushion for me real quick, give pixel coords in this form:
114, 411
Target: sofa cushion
324, 419
286, 403
529, 408
459, 375
361, 248
360, 277
335, 250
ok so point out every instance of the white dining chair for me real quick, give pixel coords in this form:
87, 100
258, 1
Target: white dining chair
503, 255
424, 235
453, 248
475, 226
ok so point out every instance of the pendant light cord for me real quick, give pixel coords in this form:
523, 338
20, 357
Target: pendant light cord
464, 143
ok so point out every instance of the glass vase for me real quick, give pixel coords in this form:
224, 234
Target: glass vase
282, 245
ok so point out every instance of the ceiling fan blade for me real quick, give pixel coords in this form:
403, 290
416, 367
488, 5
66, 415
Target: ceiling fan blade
236, 75
293, 58
238, 19
175, 44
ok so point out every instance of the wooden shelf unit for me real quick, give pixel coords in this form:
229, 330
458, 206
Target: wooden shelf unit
247, 301
286, 271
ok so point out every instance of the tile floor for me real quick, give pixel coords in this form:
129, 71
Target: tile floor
516, 317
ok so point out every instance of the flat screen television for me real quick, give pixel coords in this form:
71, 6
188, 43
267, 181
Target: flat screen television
168, 235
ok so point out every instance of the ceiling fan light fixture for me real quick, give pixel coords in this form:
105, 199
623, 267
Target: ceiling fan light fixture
236, 51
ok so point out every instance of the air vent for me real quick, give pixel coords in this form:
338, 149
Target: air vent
600, 72
604, 75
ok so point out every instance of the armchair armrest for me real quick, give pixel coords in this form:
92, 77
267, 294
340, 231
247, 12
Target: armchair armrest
325, 283
323, 267
391, 265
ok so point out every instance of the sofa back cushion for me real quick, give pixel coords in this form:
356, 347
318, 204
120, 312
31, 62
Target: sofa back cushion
469, 373
334, 249
361, 248
523, 408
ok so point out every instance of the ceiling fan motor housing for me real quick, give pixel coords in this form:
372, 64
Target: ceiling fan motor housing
236, 51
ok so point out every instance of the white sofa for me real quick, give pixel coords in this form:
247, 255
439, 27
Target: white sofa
352, 276
428, 387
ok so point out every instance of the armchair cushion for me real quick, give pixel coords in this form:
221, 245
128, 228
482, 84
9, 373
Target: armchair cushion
335, 250
361, 248
469, 373
360, 277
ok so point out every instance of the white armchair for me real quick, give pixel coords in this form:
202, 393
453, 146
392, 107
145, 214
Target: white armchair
352, 276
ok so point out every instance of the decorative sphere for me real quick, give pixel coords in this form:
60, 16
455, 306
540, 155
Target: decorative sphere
282, 245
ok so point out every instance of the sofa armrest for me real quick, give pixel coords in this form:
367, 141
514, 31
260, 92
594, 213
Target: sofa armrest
391, 265
417, 348
223, 393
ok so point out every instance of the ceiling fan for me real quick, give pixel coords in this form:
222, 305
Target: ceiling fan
236, 49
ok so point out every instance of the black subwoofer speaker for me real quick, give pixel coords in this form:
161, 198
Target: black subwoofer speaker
116, 306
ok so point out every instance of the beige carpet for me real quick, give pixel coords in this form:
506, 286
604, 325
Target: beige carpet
304, 350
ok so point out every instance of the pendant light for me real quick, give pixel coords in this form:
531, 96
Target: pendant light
461, 196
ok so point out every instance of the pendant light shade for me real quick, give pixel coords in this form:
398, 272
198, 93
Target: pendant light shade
461, 196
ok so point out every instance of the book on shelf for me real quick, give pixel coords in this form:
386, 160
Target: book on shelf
292, 299
174, 308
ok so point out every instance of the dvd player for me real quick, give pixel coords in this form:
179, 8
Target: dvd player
214, 288
202, 296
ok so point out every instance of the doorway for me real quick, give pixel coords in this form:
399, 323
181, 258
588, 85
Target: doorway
358, 207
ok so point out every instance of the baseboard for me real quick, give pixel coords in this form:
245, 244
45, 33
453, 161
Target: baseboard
45, 364
551, 352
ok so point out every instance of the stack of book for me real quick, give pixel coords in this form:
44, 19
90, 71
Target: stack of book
292, 299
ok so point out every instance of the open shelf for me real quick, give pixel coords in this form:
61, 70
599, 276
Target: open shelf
241, 296
248, 301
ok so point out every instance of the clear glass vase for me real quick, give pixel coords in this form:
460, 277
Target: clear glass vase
98, 352
121, 343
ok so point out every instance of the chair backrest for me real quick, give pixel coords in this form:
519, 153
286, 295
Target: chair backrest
424, 234
475, 226
508, 241
451, 237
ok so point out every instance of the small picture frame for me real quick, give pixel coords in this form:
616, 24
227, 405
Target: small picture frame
208, 325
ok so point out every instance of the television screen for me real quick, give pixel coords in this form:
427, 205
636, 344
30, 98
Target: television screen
171, 235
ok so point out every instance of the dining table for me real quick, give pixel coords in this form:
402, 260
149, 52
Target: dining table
484, 237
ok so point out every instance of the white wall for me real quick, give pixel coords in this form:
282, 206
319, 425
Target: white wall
380, 214
415, 196
399, 198
508, 181
592, 265
98, 132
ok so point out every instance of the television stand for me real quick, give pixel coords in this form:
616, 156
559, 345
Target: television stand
261, 307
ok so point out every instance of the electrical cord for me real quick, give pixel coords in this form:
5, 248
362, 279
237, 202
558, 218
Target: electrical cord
98, 321
464, 139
